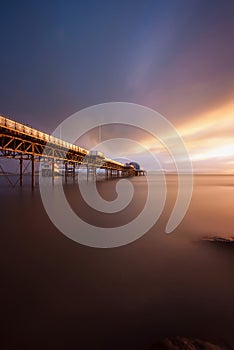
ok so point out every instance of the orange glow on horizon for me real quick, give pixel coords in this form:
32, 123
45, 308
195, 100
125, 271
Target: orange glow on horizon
209, 139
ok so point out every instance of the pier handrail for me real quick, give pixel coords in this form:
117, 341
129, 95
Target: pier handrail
27, 130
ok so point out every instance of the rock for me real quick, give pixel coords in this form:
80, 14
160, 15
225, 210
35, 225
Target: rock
219, 239
179, 343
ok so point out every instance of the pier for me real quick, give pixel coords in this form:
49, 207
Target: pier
19, 141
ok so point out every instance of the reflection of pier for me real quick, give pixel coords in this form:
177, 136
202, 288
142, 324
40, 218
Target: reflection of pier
19, 141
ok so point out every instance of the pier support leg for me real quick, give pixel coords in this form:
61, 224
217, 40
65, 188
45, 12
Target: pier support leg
95, 173
52, 171
66, 171
21, 171
92, 172
87, 173
73, 172
33, 172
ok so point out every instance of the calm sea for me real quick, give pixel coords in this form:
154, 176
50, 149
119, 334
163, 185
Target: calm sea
58, 294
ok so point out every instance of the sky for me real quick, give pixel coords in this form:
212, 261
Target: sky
176, 57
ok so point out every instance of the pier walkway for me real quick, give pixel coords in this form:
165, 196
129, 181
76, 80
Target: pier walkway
19, 141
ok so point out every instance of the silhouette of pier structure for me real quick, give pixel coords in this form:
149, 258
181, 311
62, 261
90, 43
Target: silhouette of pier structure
19, 141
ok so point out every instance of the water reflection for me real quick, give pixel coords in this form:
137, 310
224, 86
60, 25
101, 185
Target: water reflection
58, 294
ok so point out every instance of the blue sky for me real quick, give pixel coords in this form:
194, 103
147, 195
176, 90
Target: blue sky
58, 57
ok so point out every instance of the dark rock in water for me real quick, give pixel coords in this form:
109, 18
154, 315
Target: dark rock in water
179, 343
219, 239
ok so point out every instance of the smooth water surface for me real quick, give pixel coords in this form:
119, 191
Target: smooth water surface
58, 294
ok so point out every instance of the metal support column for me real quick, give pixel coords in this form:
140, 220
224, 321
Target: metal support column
95, 172
74, 169
74, 172
33, 172
21, 171
66, 172
52, 171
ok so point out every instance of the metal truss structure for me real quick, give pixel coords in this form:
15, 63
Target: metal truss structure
22, 142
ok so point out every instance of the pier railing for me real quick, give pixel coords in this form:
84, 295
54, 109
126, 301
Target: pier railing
22, 142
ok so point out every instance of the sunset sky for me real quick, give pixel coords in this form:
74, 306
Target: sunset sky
176, 57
